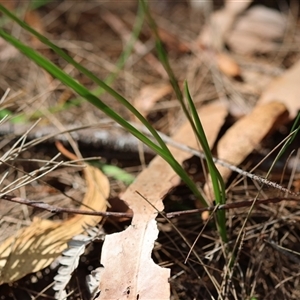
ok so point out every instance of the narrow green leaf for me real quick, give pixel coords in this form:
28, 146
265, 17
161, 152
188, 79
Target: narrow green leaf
89, 74
85, 93
120, 63
216, 178
162, 54
294, 132
117, 173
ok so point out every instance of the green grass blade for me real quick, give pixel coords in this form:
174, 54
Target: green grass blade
85, 93
137, 28
295, 129
89, 74
37, 4
114, 172
73, 84
216, 178
293, 133
163, 57
120, 63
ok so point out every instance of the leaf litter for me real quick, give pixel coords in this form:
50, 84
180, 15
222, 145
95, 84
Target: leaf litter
37, 246
263, 271
137, 241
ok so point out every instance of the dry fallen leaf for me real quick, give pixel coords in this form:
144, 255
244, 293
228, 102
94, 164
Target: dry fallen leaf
172, 41
38, 245
228, 65
220, 23
33, 19
7, 51
215, 32
259, 30
286, 89
129, 272
149, 95
11, 5
245, 135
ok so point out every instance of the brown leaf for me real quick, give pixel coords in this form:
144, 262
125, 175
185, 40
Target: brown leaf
11, 5
259, 30
7, 51
220, 23
228, 65
245, 135
33, 19
149, 95
35, 247
172, 41
129, 272
286, 89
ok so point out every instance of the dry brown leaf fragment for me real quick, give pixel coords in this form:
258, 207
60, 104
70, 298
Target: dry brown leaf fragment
286, 89
245, 135
38, 245
11, 5
172, 41
129, 271
149, 95
7, 51
220, 23
228, 65
259, 30
33, 19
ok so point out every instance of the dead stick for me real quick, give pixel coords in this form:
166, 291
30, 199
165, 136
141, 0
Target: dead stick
239, 204
55, 209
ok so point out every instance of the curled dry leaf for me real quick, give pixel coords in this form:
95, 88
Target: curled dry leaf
37, 246
129, 272
245, 135
286, 89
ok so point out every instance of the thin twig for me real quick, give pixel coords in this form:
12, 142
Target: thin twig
239, 204
220, 162
292, 255
55, 209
